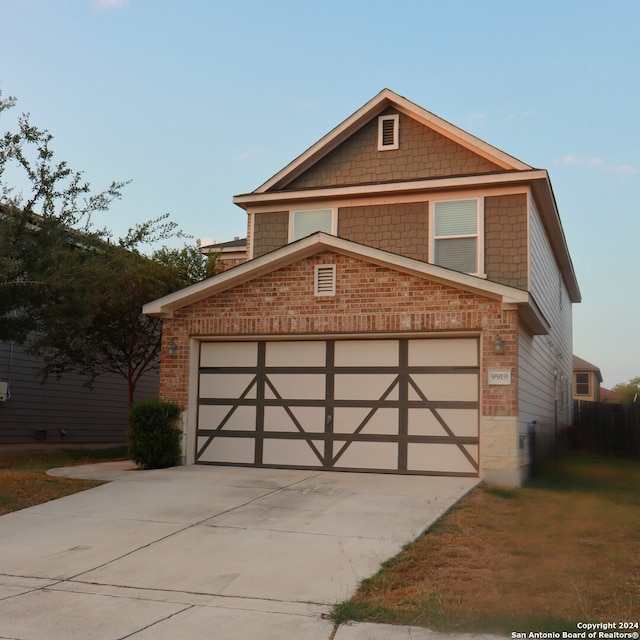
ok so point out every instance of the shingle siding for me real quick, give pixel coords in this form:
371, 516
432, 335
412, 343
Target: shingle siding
271, 231
423, 153
398, 228
506, 239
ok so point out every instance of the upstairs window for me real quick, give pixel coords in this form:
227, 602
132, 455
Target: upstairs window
304, 223
456, 236
388, 137
582, 384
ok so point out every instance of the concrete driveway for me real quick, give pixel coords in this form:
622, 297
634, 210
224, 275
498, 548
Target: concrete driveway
208, 552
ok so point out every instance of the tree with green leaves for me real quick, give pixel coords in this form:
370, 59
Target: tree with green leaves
70, 291
629, 391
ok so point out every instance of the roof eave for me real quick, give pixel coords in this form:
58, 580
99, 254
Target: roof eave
548, 209
166, 306
391, 188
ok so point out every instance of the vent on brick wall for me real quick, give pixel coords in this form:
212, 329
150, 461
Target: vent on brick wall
388, 132
325, 281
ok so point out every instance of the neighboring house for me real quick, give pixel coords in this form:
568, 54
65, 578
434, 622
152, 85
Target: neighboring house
587, 379
406, 308
608, 395
230, 254
62, 411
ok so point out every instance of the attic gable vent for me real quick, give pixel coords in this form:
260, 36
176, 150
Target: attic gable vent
388, 132
325, 280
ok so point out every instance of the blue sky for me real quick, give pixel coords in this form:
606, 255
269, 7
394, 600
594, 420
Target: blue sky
197, 101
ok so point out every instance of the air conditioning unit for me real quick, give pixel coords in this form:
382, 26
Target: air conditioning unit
4, 391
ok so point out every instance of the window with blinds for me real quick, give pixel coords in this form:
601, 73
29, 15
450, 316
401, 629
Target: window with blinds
456, 235
304, 223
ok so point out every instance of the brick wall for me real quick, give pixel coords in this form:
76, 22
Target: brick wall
399, 228
423, 153
369, 298
506, 245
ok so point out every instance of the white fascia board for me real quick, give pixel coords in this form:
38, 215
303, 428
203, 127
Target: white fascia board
434, 184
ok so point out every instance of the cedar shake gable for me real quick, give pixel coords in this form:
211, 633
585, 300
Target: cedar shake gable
422, 153
429, 147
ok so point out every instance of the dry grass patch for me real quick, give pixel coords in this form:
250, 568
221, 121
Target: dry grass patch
25, 483
564, 549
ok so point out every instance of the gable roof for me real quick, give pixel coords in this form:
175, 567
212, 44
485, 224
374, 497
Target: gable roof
515, 173
387, 98
582, 365
313, 244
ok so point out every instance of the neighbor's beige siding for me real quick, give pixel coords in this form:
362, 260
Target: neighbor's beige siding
423, 153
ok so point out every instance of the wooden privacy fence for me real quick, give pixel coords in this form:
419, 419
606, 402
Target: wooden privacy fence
606, 428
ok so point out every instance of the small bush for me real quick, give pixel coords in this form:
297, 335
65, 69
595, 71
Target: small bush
154, 438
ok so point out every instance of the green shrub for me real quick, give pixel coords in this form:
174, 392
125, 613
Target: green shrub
154, 437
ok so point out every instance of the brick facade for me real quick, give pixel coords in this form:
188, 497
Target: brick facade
423, 153
369, 299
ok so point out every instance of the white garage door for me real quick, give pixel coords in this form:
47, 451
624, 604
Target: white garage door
401, 406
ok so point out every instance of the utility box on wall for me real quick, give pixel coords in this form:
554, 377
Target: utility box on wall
4, 391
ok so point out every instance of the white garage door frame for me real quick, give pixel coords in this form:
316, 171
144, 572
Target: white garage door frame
388, 404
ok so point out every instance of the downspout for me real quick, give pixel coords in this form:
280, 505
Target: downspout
9, 370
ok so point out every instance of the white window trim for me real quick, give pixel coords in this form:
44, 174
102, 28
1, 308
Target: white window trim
480, 267
334, 219
396, 132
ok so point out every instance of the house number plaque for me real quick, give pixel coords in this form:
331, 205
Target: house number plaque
499, 376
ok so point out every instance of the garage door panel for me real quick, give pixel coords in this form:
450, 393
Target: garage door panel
228, 385
311, 419
227, 450
459, 422
442, 458
362, 419
366, 386
295, 387
228, 417
366, 353
283, 452
397, 405
367, 455
228, 354
451, 352
301, 353
458, 387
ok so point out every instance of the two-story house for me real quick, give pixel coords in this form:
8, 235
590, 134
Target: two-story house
406, 307
587, 379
